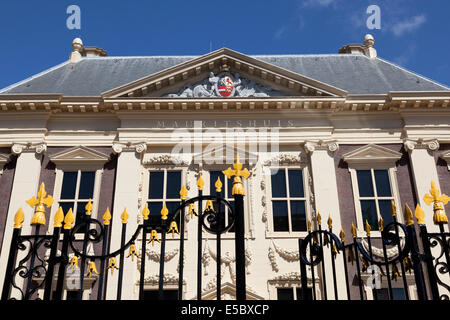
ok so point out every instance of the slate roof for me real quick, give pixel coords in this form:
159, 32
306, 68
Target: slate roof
354, 73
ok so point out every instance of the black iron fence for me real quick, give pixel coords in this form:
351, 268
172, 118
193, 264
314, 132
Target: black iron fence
330, 268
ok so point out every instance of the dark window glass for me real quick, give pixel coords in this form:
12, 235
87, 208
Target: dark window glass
369, 213
155, 211
296, 183
397, 294
298, 216
280, 216
72, 295
382, 182
80, 214
385, 211
309, 293
156, 185
86, 185
285, 294
173, 184
154, 294
278, 183
69, 185
172, 206
365, 183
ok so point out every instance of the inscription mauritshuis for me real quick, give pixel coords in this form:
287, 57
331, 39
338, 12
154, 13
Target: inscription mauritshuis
247, 123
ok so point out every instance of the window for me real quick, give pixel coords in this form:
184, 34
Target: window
164, 187
294, 293
397, 294
227, 186
76, 191
288, 200
154, 294
374, 196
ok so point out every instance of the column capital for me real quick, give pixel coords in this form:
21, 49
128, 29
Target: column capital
428, 144
327, 145
18, 148
120, 147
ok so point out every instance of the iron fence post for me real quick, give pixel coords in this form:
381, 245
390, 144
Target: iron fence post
11, 262
240, 246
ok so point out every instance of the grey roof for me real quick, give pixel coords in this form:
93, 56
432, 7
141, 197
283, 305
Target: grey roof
354, 73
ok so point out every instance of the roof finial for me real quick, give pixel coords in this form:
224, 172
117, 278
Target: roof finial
77, 46
369, 50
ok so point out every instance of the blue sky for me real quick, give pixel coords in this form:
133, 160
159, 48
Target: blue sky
414, 33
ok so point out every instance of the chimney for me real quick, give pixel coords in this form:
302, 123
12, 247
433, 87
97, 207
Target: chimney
79, 51
366, 49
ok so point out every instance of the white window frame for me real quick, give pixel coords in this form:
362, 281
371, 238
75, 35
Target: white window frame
146, 188
270, 233
410, 282
273, 285
391, 169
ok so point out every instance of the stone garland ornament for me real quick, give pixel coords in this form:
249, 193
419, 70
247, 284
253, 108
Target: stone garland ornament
224, 85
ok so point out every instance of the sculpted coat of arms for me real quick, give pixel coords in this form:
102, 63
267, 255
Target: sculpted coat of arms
224, 85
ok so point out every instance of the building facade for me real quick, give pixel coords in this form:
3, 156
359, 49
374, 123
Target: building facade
341, 134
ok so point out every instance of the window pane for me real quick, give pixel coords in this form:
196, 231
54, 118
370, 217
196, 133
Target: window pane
365, 183
278, 183
397, 294
285, 294
385, 211
213, 175
369, 213
296, 183
86, 185
309, 294
298, 216
69, 185
155, 211
172, 206
156, 185
382, 182
173, 184
280, 216
81, 212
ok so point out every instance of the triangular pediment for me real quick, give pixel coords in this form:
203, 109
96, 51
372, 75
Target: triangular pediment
249, 74
79, 155
228, 292
372, 153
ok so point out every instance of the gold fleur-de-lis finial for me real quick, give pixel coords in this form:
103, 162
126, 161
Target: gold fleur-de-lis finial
124, 216
58, 218
200, 183
420, 215
408, 215
39, 201
183, 193
192, 211
145, 212
92, 269
19, 217
218, 185
237, 172
69, 219
112, 264
438, 201
133, 252
164, 212
153, 237
173, 228
209, 205
107, 217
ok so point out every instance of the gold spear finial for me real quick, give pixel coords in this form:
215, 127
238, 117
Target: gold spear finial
237, 172
69, 219
218, 185
438, 201
183, 193
393, 208
381, 224
353, 230
39, 202
19, 217
107, 217
420, 215
124, 216
319, 218
367, 227
58, 218
309, 225
164, 212
330, 223
342, 235
408, 215
200, 182
145, 212
88, 208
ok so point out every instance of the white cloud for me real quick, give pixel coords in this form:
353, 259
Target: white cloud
317, 3
414, 23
